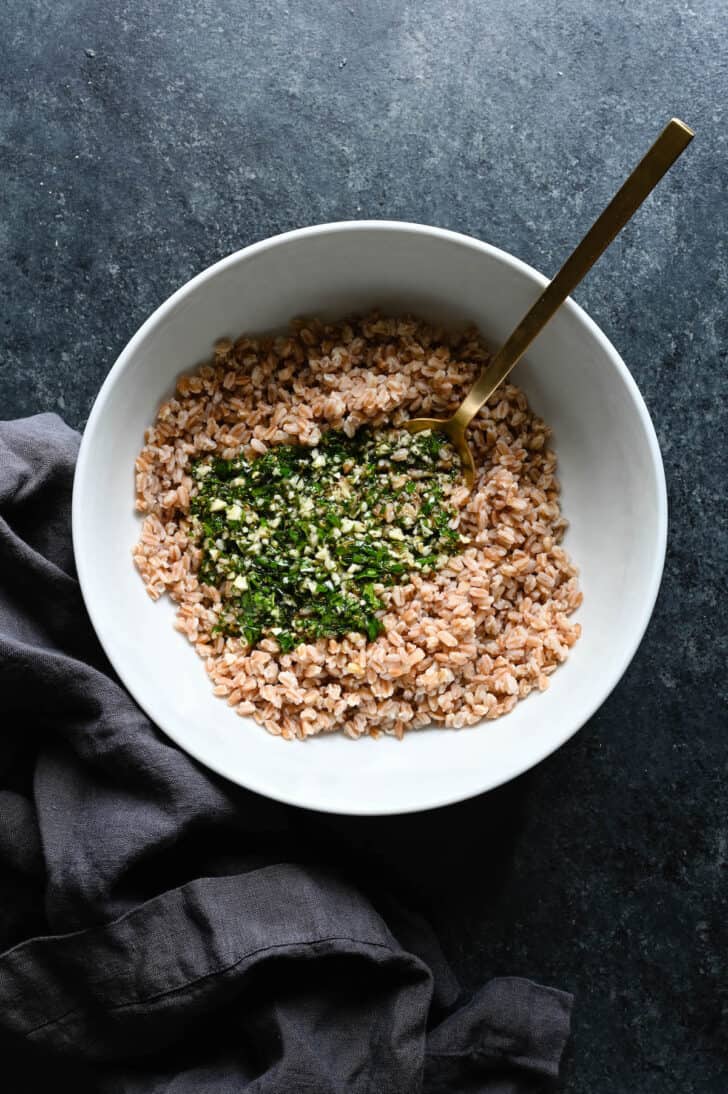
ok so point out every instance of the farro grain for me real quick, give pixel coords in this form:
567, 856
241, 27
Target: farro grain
461, 644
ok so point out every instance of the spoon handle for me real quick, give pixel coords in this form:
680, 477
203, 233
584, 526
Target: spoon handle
673, 140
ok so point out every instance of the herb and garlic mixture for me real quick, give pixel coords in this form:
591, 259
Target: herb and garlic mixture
301, 540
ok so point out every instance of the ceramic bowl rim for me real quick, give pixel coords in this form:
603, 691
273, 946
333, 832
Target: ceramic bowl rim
262, 785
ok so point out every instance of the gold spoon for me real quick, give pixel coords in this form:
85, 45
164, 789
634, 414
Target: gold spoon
673, 140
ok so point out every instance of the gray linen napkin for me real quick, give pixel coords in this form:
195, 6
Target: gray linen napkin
160, 941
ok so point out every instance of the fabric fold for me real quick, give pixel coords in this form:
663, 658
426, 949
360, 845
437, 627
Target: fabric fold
186, 940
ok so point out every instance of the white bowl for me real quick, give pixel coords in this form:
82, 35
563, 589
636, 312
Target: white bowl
609, 465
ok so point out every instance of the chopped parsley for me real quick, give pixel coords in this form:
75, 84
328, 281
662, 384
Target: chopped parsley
301, 541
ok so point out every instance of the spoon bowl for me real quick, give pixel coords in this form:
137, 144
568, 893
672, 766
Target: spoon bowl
455, 434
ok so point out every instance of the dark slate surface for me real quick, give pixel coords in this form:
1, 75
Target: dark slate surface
141, 142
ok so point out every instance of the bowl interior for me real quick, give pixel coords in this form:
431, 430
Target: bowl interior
609, 467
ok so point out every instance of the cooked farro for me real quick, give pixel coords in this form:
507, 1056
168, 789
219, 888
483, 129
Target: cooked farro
463, 643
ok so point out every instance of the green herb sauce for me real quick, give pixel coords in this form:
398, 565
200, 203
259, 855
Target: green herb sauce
301, 540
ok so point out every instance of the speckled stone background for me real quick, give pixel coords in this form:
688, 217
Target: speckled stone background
142, 141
